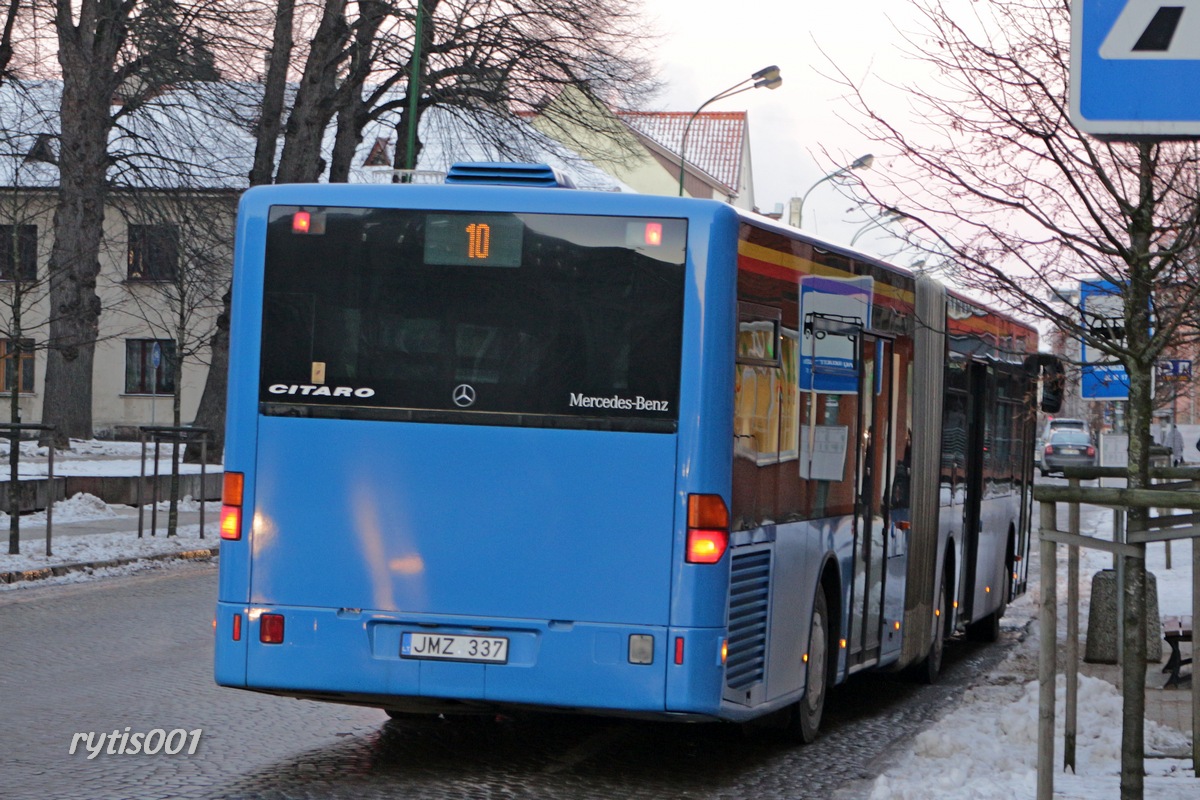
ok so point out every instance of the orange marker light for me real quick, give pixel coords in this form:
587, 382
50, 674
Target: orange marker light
232, 487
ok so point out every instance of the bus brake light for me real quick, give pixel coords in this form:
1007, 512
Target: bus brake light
654, 234
708, 529
706, 546
231, 505
301, 222
231, 523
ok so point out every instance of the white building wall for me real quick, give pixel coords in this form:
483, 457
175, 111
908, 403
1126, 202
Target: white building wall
116, 413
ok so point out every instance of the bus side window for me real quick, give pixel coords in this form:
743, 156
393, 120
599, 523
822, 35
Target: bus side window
756, 415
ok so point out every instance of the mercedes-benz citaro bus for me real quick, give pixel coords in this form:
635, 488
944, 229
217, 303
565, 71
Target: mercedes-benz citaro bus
494, 445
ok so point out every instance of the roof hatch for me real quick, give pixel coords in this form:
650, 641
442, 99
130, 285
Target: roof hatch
505, 174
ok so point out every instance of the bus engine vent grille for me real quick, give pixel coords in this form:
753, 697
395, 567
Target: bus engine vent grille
749, 593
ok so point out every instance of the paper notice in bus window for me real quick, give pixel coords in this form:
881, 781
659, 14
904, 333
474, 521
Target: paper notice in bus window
823, 452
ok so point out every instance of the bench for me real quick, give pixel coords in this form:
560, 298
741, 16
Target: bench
1175, 631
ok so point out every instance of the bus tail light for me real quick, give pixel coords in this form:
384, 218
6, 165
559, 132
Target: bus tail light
231, 505
708, 529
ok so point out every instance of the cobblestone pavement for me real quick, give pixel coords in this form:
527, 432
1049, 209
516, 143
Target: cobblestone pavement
136, 653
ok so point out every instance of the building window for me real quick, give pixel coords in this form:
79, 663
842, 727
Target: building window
18, 365
141, 376
153, 252
18, 252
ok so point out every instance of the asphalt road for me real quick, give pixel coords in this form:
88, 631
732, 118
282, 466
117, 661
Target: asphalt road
133, 655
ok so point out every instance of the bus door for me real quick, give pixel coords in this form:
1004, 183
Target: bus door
875, 457
973, 481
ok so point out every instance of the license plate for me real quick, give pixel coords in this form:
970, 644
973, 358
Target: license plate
491, 649
1071, 451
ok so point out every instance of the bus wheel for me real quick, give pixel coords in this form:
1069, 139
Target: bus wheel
806, 717
930, 669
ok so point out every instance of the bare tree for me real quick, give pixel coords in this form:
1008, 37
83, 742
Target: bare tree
178, 306
482, 60
113, 55
994, 174
24, 206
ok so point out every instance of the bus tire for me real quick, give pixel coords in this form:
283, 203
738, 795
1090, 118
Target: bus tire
929, 670
806, 715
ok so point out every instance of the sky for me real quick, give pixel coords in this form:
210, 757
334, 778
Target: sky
796, 133
985, 748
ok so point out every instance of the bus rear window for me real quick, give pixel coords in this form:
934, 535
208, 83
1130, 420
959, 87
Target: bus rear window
540, 320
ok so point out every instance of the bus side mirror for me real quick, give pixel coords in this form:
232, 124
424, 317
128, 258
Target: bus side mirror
1049, 370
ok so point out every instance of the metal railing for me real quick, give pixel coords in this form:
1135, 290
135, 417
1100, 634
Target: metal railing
13, 430
1178, 488
177, 435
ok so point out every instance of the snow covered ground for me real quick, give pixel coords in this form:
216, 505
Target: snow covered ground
92, 457
116, 538
987, 746
984, 748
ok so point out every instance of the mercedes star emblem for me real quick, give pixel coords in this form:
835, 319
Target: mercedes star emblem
464, 395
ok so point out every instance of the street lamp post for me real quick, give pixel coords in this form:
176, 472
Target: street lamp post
862, 162
414, 89
767, 77
889, 216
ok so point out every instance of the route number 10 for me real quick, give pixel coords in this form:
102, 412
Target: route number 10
479, 240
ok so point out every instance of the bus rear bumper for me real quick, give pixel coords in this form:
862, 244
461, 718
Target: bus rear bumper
355, 657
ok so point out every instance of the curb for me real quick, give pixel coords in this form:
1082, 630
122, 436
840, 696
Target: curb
201, 554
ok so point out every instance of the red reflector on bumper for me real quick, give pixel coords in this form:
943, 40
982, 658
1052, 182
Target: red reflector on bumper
270, 629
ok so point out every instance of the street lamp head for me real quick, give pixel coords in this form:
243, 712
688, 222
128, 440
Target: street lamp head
862, 162
767, 77
770, 73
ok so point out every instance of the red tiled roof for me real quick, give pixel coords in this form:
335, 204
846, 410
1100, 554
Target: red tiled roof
714, 142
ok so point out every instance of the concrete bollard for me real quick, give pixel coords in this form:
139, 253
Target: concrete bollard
1103, 641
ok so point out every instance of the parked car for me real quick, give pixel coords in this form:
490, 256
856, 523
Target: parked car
1067, 447
1064, 424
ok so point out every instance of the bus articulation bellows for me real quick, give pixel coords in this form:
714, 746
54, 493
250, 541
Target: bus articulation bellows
497, 447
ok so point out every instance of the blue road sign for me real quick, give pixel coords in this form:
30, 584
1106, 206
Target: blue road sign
1103, 310
1175, 369
1135, 68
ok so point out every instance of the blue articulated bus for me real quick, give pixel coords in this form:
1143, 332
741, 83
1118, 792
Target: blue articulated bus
495, 446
